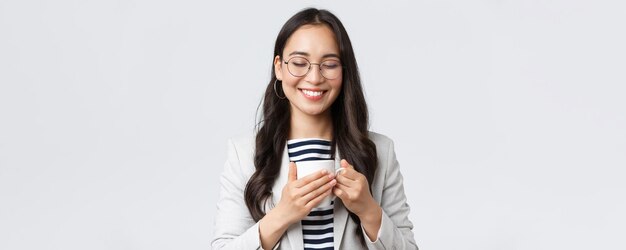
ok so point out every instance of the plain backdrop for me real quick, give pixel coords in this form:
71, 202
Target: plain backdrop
509, 117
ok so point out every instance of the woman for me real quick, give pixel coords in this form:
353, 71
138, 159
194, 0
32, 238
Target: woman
313, 109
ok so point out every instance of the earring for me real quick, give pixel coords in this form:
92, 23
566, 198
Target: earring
276, 92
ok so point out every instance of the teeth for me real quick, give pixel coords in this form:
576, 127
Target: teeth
311, 93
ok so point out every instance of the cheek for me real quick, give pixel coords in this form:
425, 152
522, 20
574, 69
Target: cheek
337, 84
289, 84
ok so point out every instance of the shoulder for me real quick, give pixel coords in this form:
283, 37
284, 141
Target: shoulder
384, 149
243, 140
381, 141
242, 145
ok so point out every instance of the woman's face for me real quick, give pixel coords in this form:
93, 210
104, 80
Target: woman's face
314, 92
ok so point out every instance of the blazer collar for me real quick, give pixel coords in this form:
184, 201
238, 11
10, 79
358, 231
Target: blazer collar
294, 232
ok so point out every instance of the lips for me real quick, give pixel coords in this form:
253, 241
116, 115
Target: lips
313, 95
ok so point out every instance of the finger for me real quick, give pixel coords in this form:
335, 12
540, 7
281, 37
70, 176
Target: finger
343, 187
349, 170
320, 190
345, 180
349, 173
340, 191
316, 201
293, 173
309, 178
346, 164
313, 185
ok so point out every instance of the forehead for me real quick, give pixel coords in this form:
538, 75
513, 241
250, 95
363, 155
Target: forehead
315, 40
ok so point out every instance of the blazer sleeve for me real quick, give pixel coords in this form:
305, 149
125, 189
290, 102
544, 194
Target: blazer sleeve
396, 229
234, 226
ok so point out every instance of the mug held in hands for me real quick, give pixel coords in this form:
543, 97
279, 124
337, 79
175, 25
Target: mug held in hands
305, 168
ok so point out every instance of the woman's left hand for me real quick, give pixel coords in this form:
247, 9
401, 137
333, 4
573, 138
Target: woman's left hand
353, 190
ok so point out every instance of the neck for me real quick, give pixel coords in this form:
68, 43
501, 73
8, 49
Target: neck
307, 126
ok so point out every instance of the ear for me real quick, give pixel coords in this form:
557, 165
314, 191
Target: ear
278, 67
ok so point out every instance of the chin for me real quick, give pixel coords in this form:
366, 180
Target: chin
315, 112
312, 111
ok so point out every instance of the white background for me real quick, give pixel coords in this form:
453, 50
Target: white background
509, 117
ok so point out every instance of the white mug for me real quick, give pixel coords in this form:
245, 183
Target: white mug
305, 168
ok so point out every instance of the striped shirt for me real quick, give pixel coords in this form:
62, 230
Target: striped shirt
317, 226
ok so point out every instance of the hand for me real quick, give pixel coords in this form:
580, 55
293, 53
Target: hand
353, 190
297, 200
300, 196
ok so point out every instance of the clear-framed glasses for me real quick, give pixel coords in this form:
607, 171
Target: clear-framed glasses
300, 66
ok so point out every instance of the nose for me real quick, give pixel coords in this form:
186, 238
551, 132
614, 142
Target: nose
315, 74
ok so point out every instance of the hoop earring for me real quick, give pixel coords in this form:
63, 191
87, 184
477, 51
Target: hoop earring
276, 92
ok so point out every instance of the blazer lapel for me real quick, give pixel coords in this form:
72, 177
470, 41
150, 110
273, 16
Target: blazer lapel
339, 224
340, 212
283, 176
294, 232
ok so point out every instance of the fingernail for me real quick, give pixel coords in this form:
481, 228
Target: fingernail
324, 171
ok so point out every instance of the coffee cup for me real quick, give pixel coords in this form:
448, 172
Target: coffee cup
305, 168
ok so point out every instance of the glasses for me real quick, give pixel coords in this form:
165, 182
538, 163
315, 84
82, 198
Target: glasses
300, 66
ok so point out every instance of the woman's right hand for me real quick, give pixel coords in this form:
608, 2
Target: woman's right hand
300, 196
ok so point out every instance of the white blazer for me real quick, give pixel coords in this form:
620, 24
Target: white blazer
235, 228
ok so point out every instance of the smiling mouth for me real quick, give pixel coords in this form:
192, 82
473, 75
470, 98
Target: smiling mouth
313, 94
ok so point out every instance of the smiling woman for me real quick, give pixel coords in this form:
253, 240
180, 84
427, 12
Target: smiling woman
314, 110
310, 90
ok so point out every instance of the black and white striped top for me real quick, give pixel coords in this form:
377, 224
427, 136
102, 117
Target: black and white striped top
317, 227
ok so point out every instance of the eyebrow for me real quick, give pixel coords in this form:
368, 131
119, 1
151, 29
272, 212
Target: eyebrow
302, 53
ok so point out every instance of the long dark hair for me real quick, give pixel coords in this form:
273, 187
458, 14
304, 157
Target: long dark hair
349, 115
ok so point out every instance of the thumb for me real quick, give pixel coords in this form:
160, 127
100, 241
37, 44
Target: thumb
293, 174
345, 164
